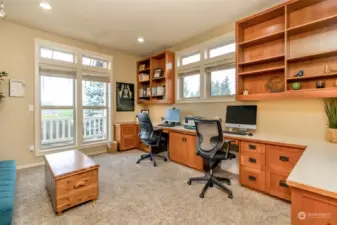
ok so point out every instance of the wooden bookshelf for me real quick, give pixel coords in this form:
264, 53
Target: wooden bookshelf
276, 44
146, 68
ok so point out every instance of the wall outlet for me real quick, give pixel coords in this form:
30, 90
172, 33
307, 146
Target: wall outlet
31, 148
31, 108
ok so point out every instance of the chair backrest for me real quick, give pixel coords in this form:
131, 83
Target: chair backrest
209, 136
146, 128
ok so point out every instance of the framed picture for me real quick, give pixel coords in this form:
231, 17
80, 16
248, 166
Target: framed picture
142, 67
157, 73
145, 111
125, 97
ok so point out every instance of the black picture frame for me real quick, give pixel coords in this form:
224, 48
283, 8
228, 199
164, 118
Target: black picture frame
125, 97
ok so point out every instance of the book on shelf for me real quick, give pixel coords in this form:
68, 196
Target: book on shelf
144, 77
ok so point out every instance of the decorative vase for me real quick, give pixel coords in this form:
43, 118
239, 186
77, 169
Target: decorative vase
296, 86
332, 135
335, 83
320, 84
245, 92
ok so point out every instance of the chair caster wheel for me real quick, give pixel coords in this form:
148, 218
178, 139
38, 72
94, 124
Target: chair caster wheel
165, 159
189, 182
229, 183
154, 164
201, 196
211, 185
137, 162
230, 196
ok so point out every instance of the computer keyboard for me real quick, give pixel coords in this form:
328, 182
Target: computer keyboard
233, 132
166, 125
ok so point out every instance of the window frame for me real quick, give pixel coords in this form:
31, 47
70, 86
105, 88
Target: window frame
204, 63
181, 81
77, 104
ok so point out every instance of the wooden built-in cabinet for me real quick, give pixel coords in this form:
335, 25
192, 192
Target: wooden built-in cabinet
265, 167
275, 45
126, 136
152, 89
308, 208
182, 149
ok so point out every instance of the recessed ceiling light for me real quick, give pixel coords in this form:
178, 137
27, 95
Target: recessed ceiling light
140, 40
45, 5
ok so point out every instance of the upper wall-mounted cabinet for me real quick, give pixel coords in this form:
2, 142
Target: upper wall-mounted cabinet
288, 51
155, 79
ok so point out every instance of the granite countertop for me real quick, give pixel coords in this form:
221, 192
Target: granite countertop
317, 166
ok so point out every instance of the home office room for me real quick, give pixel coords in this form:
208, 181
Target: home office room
225, 112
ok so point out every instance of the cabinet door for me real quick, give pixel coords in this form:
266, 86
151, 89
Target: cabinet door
192, 159
308, 208
177, 148
129, 137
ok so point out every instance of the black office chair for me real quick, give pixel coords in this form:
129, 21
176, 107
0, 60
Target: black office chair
210, 146
150, 137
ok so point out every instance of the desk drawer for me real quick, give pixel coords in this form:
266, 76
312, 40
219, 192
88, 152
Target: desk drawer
252, 178
252, 147
280, 158
253, 160
278, 187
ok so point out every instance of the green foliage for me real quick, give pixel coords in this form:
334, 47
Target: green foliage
95, 93
220, 89
330, 105
187, 92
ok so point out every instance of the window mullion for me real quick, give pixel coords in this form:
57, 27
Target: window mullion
79, 111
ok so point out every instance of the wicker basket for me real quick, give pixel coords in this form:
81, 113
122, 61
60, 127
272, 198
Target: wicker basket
332, 135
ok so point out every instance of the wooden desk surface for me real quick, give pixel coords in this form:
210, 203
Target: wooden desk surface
64, 163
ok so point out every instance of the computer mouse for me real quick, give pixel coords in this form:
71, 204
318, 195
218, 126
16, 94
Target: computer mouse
250, 134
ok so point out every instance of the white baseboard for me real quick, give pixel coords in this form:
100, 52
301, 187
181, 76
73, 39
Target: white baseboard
42, 163
29, 165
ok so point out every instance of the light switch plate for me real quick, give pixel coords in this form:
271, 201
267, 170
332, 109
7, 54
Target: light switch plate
31, 108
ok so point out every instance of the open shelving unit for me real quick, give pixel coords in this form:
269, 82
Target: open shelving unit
156, 90
273, 46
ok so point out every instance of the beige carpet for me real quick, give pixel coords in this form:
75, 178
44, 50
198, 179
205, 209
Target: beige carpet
137, 194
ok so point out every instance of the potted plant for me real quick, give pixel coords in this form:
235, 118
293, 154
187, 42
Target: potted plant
331, 112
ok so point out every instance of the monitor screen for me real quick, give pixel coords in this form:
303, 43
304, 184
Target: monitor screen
241, 116
173, 115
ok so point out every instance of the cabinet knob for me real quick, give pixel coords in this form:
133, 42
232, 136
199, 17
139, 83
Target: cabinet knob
253, 147
284, 158
252, 178
252, 160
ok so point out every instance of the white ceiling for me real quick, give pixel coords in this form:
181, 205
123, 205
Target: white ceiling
118, 23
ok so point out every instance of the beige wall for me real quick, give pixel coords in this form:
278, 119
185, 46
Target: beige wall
17, 58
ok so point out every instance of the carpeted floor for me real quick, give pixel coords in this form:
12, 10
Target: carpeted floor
139, 194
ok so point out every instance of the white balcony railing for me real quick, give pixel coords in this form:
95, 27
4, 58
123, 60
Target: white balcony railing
61, 130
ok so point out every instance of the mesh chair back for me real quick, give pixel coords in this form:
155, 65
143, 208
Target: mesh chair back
146, 128
209, 136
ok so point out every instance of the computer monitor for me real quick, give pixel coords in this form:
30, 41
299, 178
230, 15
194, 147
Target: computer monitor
173, 115
243, 117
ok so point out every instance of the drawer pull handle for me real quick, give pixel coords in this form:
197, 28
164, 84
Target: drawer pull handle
283, 184
252, 160
284, 158
252, 178
253, 147
79, 184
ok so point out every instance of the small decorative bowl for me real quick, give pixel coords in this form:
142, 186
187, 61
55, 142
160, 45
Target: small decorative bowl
296, 86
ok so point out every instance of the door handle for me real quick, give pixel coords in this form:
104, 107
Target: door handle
252, 178
283, 184
253, 147
284, 158
252, 160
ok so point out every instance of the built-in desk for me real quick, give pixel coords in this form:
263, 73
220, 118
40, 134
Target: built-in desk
303, 171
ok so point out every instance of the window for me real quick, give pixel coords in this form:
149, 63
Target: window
57, 109
95, 62
191, 86
57, 55
222, 50
190, 59
94, 110
65, 119
222, 82
211, 77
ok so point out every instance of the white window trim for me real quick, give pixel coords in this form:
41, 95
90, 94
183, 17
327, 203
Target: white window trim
78, 53
204, 49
